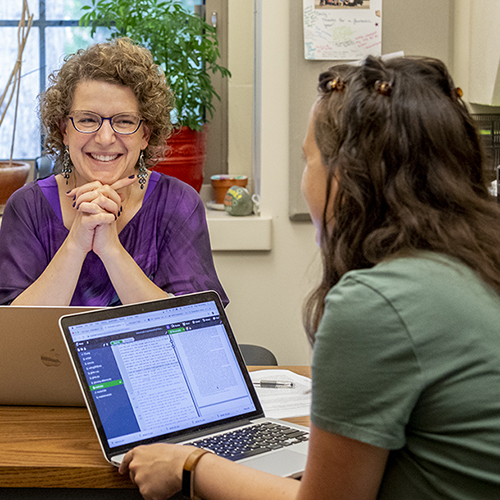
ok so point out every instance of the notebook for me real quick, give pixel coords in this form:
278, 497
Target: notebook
35, 368
170, 370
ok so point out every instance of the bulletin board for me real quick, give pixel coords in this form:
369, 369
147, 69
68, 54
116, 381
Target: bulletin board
417, 28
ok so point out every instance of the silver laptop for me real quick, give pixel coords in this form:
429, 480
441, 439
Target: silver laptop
170, 371
35, 368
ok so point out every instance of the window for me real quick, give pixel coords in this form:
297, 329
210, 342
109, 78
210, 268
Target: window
54, 34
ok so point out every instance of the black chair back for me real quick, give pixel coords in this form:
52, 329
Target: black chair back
257, 355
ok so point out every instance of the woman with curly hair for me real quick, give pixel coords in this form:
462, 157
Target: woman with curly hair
105, 230
405, 323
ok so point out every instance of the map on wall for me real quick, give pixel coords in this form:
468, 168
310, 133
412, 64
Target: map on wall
342, 29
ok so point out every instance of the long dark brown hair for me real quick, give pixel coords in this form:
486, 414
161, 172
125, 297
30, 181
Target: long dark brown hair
409, 168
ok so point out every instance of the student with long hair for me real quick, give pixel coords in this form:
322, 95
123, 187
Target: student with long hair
406, 321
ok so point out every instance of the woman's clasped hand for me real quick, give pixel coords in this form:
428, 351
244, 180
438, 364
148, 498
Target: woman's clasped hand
98, 207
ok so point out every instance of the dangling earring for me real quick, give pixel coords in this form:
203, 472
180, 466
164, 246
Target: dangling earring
142, 175
67, 164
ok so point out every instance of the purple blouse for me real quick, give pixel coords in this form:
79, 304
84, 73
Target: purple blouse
167, 237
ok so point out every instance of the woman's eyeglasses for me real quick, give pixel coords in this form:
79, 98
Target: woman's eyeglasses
88, 122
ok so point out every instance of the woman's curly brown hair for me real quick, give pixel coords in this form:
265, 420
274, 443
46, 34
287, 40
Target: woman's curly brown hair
121, 62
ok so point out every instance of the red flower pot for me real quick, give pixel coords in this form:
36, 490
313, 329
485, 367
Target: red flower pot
185, 156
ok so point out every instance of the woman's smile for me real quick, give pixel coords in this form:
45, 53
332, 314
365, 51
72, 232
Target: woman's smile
102, 157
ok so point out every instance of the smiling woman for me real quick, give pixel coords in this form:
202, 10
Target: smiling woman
99, 150
104, 230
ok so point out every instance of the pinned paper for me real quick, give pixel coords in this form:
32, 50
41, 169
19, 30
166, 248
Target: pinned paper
342, 29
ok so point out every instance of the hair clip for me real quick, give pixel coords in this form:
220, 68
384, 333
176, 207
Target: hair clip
457, 93
383, 88
335, 84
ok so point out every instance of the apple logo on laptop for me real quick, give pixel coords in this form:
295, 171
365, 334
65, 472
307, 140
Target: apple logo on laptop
51, 358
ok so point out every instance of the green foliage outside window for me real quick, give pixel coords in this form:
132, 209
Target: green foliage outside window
182, 43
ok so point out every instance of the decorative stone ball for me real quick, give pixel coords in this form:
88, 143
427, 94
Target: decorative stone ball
238, 201
222, 182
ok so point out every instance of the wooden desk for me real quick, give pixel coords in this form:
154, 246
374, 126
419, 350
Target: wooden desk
53, 448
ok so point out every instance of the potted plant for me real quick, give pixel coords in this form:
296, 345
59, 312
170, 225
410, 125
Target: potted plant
13, 174
187, 49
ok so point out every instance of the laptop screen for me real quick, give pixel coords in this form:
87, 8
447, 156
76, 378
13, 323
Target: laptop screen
160, 368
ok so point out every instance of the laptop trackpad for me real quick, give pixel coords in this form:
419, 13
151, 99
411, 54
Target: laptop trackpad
282, 463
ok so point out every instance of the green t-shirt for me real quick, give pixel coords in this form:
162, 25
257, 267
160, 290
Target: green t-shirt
407, 358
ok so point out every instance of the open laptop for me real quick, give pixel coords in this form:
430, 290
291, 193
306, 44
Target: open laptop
170, 371
35, 368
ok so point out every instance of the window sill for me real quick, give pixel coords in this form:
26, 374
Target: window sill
230, 233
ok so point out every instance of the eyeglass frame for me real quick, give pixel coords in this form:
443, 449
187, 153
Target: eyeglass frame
102, 121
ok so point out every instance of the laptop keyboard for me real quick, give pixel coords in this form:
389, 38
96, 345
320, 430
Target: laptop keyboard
253, 440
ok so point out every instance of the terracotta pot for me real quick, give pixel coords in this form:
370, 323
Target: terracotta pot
185, 157
221, 183
12, 177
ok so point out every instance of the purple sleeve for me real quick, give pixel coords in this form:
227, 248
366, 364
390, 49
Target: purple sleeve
25, 247
185, 256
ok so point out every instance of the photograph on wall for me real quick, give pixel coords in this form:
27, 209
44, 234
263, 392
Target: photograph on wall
342, 29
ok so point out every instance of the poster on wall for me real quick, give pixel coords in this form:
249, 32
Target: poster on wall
342, 29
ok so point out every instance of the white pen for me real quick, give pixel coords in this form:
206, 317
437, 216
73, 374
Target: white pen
275, 384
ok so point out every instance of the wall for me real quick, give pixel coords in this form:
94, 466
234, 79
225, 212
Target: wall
476, 50
267, 288
484, 77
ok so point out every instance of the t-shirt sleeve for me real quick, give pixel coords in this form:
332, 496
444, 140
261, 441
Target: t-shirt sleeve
366, 378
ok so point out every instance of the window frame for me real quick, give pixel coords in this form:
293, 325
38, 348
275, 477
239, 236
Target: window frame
217, 137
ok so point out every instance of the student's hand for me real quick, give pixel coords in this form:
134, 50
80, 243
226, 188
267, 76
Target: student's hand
156, 469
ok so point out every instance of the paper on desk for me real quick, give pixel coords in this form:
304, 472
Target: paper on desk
283, 402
